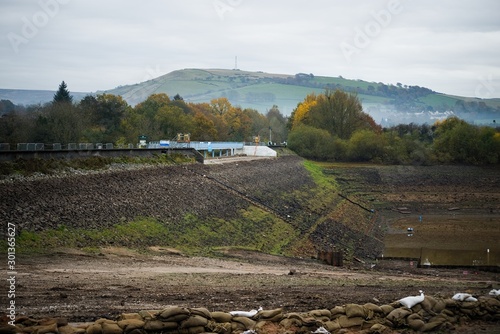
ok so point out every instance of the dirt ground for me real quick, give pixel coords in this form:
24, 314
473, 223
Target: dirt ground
83, 287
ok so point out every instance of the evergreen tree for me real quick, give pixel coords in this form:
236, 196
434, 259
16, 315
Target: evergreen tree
62, 94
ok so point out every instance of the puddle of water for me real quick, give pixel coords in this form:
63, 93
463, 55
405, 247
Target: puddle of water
446, 240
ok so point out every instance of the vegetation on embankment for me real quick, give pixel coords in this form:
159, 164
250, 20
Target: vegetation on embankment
255, 229
174, 207
27, 167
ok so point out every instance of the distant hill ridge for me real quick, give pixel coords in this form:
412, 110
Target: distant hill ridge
260, 91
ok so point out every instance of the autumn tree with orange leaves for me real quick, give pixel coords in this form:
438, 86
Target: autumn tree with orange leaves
338, 113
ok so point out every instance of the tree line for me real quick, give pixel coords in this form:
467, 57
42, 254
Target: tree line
333, 127
330, 126
107, 118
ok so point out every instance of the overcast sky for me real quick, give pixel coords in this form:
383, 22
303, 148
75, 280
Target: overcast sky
450, 46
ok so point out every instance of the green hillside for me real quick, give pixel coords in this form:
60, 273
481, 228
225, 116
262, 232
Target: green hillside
257, 90
260, 91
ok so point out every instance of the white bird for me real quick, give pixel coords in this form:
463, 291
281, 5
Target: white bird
411, 301
494, 292
247, 314
464, 297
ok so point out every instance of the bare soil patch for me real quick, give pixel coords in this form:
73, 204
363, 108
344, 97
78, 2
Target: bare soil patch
84, 287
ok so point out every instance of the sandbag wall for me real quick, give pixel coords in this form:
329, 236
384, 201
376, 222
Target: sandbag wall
432, 314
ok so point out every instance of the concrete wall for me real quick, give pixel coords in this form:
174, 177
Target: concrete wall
259, 151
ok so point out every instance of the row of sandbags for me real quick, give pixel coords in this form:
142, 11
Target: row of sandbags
431, 314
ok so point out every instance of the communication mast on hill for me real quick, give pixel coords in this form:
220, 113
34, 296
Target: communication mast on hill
235, 62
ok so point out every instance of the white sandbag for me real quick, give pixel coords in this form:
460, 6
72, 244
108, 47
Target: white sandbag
247, 314
464, 297
411, 301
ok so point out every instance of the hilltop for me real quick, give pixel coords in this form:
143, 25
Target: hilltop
260, 91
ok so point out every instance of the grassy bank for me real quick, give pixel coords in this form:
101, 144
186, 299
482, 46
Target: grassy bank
254, 229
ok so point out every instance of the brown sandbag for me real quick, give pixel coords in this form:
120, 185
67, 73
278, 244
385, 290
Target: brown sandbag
127, 316
308, 320
277, 318
157, 325
337, 310
268, 314
66, 330
173, 312
237, 327
147, 314
415, 321
290, 322
346, 322
492, 305
332, 325
94, 329
355, 310
131, 324
194, 321
246, 322
221, 316
387, 309
428, 305
47, 322
398, 316
379, 329
293, 315
176, 318
46, 329
469, 305
201, 311
111, 328
320, 313
373, 307
450, 303
440, 306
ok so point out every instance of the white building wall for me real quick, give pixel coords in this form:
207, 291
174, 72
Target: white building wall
258, 151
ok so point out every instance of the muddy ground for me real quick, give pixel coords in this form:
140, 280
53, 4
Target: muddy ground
82, 287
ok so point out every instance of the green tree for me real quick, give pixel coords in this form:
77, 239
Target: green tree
458, 141
65, 123
311, 142
339, 113
62, 95
366, 145
105, 113
172, 120
278, 124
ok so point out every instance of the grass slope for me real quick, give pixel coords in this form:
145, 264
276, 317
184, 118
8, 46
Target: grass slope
260, 91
